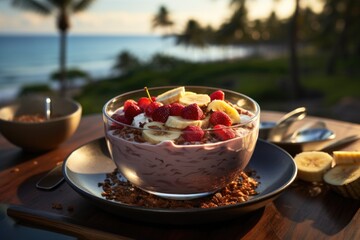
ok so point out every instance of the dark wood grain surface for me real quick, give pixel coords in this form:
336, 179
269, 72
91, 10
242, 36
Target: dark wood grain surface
303, 211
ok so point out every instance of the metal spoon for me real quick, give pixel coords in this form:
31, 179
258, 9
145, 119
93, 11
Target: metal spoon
310, 132
48, 108
311, 135
277, 133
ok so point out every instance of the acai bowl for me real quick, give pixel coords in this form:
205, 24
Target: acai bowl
181, 142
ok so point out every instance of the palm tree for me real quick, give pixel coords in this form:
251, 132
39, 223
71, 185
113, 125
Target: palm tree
72, 75
162, 19
63, 9
126, 62
342, 35
193, 35
235, 30
296, 88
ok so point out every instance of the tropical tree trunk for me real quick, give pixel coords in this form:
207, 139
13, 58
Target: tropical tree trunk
295, 88
62, 54
64, 9
63, 25
339, 47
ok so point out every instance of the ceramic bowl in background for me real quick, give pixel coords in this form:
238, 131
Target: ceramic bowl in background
39, 135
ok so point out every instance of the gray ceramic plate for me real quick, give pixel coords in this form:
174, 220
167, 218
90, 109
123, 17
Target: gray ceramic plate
87, 166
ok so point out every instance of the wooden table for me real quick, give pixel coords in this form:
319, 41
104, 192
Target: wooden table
303, 211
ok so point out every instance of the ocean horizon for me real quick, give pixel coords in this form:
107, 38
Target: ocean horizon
30, 59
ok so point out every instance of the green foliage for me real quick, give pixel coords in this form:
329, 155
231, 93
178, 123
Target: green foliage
72, 74
162, 62
126, 62
193, 35
261, 79
36, 88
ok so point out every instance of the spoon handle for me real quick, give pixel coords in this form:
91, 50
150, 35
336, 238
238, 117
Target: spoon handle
339, 143
48, 108
278, 132
52, 179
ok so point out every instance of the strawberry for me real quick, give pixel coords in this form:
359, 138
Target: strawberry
161, 114
143, 102
193, 134
129, 102
192, 112
223, 132
119, 118
151, 107
132, 110
218, 94
219, 117
175, 109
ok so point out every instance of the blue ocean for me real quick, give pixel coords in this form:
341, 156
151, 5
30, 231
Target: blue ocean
31, 59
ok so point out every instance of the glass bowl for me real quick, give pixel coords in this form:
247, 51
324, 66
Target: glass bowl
175, 168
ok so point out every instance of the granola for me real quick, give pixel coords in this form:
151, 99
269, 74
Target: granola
238, 191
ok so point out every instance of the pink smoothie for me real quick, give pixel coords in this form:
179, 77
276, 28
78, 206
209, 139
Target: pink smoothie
183, 169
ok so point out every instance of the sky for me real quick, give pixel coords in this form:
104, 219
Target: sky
134, 16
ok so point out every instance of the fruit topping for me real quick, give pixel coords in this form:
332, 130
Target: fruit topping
176, 109
171, 96
151, 107
161, 114
189, 114
190, 98
154, 132
181, 123
143, 102
119, 118
220, 105
223, 132
217, 95
132, 110
129, 102
192, 112
193, 134
218, 117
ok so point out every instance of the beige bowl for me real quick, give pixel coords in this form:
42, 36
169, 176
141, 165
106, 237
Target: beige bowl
40, 136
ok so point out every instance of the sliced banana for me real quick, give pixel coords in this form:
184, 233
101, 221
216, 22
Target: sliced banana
345, 180
346, 157
155, 132
191, 97
171, 96
312, 165
189, 93
181, 123
220, 105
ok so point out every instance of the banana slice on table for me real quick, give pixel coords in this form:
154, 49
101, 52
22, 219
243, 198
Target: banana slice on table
346, 157
220, 105
190, 98
181, 123
155, 132
171, 96
345, 180
312, 165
